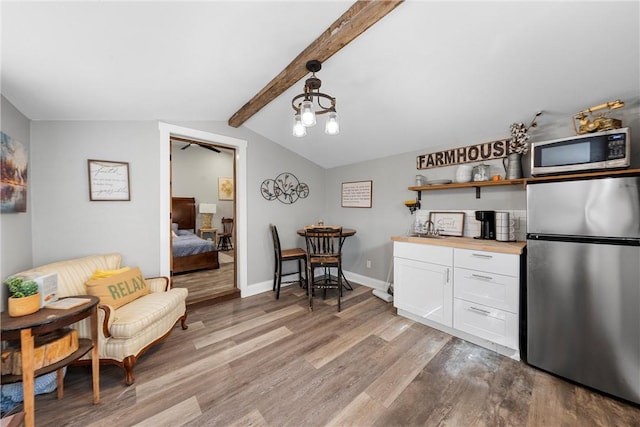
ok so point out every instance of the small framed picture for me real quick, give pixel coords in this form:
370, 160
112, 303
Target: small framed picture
357, 194
448, 223
108, 181
225, 188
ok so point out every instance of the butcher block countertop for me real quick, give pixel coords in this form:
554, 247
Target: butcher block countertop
467, 243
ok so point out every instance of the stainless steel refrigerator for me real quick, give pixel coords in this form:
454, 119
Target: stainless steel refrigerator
583, 282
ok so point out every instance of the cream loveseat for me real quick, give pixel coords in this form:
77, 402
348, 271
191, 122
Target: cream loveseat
124, 333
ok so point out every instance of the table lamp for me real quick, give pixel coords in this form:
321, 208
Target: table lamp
207, 210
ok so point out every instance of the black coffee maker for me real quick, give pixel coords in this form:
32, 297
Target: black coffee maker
487, 224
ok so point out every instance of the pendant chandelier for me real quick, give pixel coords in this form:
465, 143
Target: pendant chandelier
309, 104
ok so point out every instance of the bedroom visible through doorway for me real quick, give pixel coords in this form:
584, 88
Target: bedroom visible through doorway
202, 194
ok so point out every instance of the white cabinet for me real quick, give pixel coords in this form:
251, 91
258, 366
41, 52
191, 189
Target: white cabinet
473, 294
487, 295
423, 281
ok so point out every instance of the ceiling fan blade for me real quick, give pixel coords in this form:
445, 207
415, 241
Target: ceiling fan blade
208, 147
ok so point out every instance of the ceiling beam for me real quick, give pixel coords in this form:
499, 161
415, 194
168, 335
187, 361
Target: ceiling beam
352, 23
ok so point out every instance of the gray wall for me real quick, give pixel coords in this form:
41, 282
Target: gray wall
392, 175
66, 224
15, 228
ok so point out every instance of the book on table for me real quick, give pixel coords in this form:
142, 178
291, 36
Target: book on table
66, 303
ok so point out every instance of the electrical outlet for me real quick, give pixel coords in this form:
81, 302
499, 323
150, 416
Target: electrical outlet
368, 263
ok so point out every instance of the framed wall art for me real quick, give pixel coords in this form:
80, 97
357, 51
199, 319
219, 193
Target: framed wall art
14, 160
448, 223
357, 194
108, 181
225, 188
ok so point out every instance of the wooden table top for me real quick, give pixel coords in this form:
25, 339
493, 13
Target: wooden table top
346, 232
46, 316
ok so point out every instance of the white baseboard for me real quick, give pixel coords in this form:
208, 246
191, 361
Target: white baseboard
369, 282
267, 286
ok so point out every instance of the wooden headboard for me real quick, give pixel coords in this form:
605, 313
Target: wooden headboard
183, 212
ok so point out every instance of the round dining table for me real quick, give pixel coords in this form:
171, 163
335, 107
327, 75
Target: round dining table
346, 232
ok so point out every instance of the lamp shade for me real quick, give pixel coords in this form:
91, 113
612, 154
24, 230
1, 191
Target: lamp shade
207, 208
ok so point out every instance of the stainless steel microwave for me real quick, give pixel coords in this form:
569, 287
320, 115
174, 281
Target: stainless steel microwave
595, 151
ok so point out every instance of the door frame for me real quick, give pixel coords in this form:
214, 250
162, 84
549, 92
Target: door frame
166, 132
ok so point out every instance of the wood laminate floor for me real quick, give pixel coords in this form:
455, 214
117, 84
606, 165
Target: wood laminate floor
209, 285
258, 361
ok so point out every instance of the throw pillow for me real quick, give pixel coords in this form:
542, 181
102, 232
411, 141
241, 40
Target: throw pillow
101, 274
118, 289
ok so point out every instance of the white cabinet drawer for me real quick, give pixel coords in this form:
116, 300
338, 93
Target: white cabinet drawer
422, 252
490, 289
507, 264
485, 322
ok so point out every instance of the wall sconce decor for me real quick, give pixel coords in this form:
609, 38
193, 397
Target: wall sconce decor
286, 188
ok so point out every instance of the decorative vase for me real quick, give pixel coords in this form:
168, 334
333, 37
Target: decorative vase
513, 166
463, 173
23, 306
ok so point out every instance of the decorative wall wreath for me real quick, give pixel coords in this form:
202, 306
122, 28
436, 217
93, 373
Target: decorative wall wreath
286, 188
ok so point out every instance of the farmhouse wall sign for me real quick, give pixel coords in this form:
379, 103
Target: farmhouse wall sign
286, 188
468, 154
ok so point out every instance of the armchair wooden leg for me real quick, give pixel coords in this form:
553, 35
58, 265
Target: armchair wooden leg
183, 321
127, 364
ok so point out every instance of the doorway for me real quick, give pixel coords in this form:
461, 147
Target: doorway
202, 208
239, 146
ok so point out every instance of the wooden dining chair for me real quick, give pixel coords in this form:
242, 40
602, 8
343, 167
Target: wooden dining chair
225, 241
324, 251
282, 255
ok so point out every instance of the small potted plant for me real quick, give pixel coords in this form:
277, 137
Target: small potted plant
24, 299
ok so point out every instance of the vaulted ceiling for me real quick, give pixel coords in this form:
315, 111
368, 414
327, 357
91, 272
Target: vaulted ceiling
428, 74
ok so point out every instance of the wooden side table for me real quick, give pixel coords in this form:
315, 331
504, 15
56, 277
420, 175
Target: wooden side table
42, 322
213, 231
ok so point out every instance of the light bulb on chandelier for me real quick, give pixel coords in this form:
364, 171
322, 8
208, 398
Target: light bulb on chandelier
333, 126
305, 115
299, 129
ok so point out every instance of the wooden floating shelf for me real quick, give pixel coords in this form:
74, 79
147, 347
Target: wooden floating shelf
523, 181
475, 184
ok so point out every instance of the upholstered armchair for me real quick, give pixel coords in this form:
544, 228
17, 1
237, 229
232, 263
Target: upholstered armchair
126, 332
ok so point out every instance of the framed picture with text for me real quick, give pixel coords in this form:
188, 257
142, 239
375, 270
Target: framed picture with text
357, 194
448, 223
108, 181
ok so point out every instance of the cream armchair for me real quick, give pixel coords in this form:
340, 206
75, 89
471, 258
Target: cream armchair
127, 332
